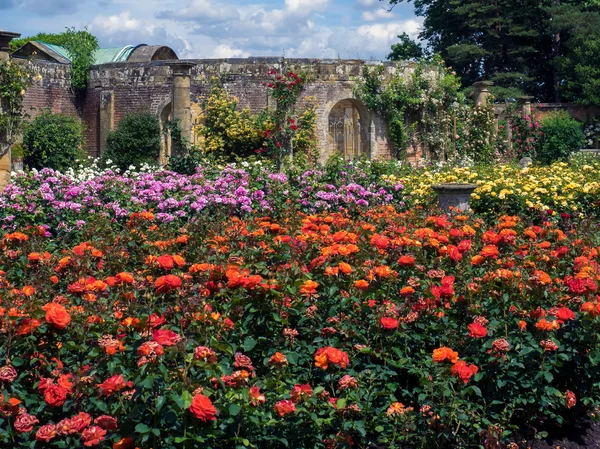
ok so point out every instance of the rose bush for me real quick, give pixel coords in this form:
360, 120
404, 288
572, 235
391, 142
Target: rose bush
330, 330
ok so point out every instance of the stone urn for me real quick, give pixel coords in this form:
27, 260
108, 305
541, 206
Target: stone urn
454, 195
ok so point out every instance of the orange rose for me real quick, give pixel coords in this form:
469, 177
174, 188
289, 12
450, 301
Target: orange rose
445, 353
203, 408
309, 287
57, 315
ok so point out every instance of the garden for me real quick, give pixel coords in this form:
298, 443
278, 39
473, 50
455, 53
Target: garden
246, 296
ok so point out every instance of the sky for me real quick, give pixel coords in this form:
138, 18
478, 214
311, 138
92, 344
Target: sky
347, 29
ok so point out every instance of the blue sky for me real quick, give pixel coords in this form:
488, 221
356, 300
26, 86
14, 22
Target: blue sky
225, 28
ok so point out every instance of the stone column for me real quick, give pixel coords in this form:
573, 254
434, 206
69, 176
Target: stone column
181, 101
5, 160
107, 117
525, 102
482, 92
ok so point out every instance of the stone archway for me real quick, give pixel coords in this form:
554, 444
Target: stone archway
348, 129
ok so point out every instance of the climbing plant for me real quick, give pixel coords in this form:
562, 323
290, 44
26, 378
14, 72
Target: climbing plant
81, 46
418, 106
14, 79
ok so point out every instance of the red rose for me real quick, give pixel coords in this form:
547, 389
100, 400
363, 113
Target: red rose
165, 337
301, 392
203, 408
389, 323
112, 384
80, 421
463, 370
564, 314
165, 284
476, 330
406, 261
55, 395
166, 262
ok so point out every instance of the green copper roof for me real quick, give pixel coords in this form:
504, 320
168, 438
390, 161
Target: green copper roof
101, 56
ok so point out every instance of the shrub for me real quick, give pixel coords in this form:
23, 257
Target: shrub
136, 141
561, 136
54, 141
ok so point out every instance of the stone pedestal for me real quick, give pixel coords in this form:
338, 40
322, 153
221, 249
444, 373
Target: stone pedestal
454, 196
181, 101
525, 103
482, 92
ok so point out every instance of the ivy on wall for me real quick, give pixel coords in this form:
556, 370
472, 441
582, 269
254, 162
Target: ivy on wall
14, 80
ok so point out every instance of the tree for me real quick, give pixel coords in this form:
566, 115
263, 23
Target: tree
578, 57
81, 46
540, 47
406, 50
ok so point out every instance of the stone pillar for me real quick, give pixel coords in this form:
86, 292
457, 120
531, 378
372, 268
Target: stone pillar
107, 117
482, 92
5, 160
181, 101
525, 102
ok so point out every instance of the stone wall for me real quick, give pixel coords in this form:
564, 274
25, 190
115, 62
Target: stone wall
147, 87
52, 91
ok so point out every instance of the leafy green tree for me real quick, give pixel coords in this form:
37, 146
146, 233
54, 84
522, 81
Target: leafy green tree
406, 50
578, 52
136, 141
54, 141
81, 46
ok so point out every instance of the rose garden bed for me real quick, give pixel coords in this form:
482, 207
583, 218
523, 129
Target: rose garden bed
374, 329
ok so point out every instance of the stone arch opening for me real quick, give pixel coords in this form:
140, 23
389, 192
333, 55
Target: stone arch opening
349, 129
165, 139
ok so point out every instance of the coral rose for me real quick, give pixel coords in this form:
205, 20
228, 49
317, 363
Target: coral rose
203, 408
285, 407
24, 422
7, 374
112, 384
46, 433
165, 284
57, 315
406, 261
93, 436
256, 398
300, 392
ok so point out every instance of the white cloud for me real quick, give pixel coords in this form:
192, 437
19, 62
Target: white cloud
201, 11
367, 4
225, 51
306, 5
378, 14
122, 29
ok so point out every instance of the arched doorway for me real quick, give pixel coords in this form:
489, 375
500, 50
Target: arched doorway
348, 129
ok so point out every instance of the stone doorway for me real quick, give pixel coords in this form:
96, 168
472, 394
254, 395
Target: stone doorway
348, 129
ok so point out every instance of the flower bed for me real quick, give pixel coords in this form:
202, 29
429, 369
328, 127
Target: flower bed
67, 201
383, 329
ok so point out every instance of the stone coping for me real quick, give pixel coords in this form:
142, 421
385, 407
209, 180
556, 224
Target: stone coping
454, 186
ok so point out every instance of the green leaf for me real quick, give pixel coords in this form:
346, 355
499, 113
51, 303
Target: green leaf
187, 399
249, 344
142, 428
234, 409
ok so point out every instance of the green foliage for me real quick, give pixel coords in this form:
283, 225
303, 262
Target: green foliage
419, 107
81, 46
14, 79
136, 141
562, 135
54, 141
546, 49
579, 61
285, 130
406, 50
